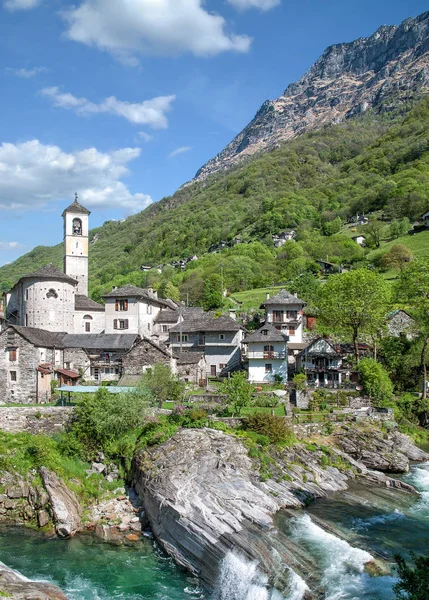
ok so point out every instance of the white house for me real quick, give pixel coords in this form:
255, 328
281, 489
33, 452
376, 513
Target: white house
267, 353
359, 239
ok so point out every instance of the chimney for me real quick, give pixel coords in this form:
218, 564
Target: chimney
115, 287
268, 296
233, 313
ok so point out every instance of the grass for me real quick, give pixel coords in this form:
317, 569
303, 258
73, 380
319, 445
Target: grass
254, 298
418, 244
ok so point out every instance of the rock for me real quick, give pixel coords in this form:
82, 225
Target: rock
65, 506
42, 518
374, 449
98, 468
132, 537
16, 586
402, 443
20, 490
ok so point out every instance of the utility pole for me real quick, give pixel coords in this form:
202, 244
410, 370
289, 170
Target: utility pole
221, 283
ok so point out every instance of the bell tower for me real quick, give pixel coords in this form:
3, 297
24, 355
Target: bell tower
76, 244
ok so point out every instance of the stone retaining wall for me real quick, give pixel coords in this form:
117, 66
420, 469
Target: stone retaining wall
34, 419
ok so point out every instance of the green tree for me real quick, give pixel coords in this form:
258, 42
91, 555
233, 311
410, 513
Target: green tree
412, 287
374, 231
171, 291
300, 381
160, 384
375, 381
238, 390
413, 580
212, 297
397, 257
353, 304
399, 228
102, 418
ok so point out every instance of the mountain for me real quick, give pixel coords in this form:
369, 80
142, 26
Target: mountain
347, 80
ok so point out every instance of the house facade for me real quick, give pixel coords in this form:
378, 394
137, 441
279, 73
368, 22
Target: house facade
218, 338
400, 323
266, 352
325, 364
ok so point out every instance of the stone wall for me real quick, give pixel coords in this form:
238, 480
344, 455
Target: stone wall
18, 378
143, 355
37, 419
22, 502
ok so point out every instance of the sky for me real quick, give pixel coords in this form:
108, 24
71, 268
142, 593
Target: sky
122, 101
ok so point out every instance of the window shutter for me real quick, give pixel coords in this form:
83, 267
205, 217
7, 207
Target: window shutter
116, 306
125, 304
115, 324
126, 324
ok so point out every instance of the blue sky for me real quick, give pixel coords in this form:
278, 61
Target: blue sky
123, 100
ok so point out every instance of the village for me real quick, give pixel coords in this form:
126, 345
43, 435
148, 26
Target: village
53, 335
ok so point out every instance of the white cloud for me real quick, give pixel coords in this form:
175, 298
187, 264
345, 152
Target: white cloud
146, 137
150, 112
151, 27
180, 150
33, 175
10, 245
261, 4
20, 4
27, 73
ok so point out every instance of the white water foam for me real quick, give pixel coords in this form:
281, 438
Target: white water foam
364, 524
296, 588
419, 478
341, 564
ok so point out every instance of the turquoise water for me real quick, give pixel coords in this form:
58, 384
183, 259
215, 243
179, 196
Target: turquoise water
363, 524
94, 571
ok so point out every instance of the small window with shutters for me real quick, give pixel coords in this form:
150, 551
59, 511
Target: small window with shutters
115, 324
122, 324
12, 354
121, 304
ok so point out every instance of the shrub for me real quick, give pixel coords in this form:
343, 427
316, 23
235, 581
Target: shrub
300, 381
272, 426
375, 381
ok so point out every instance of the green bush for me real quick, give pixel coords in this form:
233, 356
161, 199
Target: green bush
272, 426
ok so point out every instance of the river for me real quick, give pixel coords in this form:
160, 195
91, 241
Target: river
356, 526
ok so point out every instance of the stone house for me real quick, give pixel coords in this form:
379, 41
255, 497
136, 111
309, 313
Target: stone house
266, 351
283, 237
191, 367
132, 310
400, 323
28, 359
218, 338
144, 354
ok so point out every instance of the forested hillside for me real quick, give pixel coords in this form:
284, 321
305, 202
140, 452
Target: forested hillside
312, 184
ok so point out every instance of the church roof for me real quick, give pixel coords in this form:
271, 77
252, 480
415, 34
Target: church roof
283, 297
82, 302
76, 207
50, 272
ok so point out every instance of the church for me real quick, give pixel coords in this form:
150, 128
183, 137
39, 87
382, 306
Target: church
53, 331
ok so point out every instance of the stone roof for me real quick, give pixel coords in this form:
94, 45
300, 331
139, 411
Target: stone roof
132, 291
272, 335
167, 316
197, 322
76, 207
129, 380
283, 297
100, 341
156, 345
82, 302
39, 337
50, 272
188, 358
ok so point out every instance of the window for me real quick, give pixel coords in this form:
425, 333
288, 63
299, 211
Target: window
264, 332
278, 316
184, 337
268, 368
291, 329
26, 294
149, 309
26, 320
120, 324
221, 336
121, 304
67, 365
87, 327
13, 375
222, 366
77, 227
165, 328
269, 351
292, 314
12, 354
52, 294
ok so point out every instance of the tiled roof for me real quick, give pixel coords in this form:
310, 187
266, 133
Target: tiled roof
76, 207
100, 341
82, 302
68, 373
283, 297
39, 337
203, 322
50, 272
272, 335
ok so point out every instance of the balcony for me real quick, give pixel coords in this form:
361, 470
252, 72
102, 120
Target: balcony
272, 355
321, 368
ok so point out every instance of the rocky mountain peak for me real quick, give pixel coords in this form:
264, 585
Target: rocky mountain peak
348, 79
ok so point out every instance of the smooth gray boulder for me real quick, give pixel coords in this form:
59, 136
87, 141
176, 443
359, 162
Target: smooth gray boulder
14, 585
66, 508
